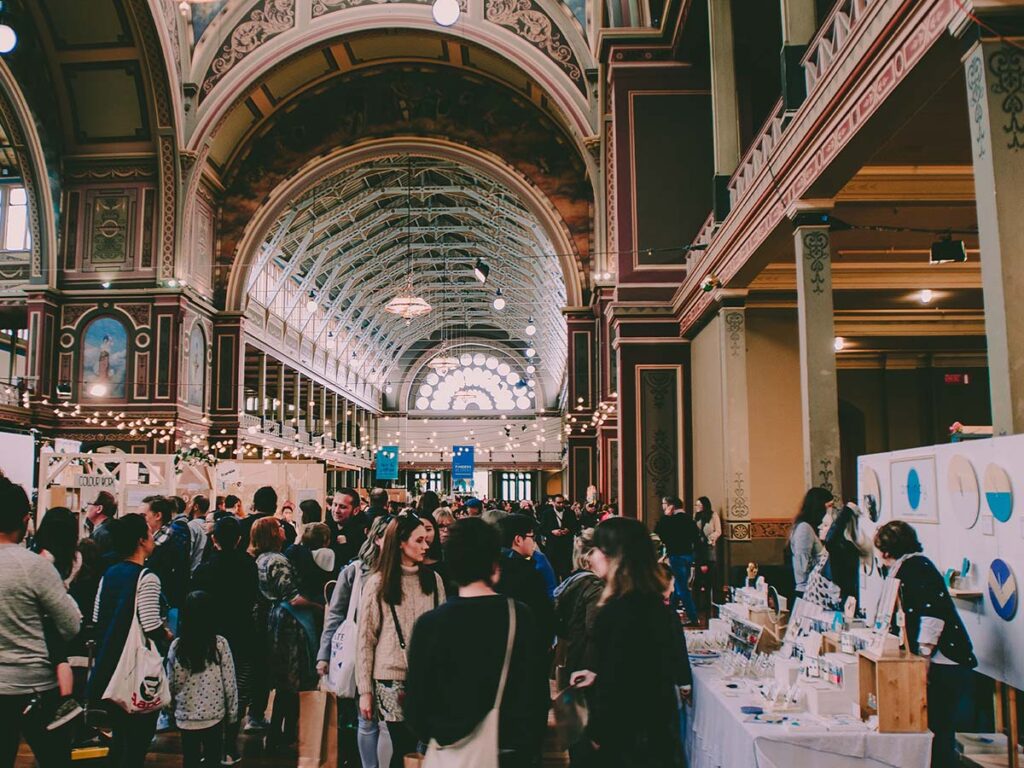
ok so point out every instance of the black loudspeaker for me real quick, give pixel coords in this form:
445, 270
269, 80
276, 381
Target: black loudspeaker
946, 251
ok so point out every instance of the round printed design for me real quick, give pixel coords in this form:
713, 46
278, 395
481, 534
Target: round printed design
963, 491
870, 494
998, 492
913, 489
1002, 589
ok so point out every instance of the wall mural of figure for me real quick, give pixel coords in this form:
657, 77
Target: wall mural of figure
196, 378
104, 358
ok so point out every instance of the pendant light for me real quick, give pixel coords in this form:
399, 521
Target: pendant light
408, 304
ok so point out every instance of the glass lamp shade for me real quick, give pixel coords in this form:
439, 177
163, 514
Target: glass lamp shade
408, 306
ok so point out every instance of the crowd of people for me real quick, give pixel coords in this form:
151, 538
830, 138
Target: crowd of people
463, 610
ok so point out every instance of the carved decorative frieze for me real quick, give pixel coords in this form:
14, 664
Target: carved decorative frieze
528, 20
261, 24
72, 313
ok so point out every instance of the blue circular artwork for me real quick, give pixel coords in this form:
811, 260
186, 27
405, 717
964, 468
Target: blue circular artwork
998, 492
1002, 589
913, 489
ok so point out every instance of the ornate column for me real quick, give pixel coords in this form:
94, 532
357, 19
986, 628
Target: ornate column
819, 392
799, 24
228, 372
581, 440
996, 108
281, 410
724, 107
261, 385
736, 421
40, 369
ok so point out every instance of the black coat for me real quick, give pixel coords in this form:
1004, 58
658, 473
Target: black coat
639, 656
575, 611
923, 593
231, 578
521, 580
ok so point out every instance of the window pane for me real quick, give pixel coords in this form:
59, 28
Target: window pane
16, 232
18, 196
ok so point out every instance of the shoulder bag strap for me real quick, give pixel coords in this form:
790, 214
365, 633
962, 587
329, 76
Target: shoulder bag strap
508, 652
437, 588
354, 595
398, 626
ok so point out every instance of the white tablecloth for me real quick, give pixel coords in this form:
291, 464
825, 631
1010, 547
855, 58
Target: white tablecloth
718, 737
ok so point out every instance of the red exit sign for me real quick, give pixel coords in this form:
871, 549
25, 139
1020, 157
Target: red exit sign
957, 378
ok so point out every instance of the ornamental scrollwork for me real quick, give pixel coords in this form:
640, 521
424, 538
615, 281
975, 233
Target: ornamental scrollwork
530, 22
1007, 64
739, 506
976, 94
816, 251
734, 326
275, 17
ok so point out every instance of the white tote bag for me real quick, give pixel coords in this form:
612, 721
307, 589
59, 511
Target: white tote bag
341, 671
478, 749
139, 683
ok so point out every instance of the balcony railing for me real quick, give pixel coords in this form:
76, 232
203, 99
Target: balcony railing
833, 35
759, 153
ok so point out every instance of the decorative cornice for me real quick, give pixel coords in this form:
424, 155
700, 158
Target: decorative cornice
872, 276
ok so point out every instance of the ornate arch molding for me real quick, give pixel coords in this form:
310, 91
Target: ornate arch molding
255, 233
18, 120
253, 39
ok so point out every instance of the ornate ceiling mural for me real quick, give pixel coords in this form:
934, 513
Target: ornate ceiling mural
424, 101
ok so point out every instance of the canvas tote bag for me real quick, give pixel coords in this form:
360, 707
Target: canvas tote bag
139, 683
341, 670
478, 749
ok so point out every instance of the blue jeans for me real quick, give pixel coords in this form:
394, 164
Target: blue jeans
681, 565
367, 736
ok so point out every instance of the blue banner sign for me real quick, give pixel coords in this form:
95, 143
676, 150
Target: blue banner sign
462, 462
387, 462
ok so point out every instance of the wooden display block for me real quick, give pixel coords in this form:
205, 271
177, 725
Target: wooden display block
896, 689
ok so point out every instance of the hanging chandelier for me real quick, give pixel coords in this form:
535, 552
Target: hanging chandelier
443, 363
464, 397
408, 304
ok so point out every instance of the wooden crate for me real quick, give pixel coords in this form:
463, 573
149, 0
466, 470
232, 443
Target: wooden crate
899, 685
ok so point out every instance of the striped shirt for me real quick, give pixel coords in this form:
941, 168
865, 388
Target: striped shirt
148, 602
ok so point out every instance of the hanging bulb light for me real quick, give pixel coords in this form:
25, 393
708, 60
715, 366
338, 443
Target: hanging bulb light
530, 351
530, 327
445, 12
481, 270
499, 300
311, 305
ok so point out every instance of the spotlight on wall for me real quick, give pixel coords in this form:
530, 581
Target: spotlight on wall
839, 343
8, 35
311, 305
105, 284
499, 300
99, 389
64, 389
926, 296
446, 12
947, 250
530, 327
481, 270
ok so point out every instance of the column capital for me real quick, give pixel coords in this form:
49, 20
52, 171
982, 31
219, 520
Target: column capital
809, 213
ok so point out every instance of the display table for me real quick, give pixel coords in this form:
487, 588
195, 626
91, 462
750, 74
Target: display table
717, 736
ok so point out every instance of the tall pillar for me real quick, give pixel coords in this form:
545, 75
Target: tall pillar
261, 385
799, 23
281, 411
819, 393
321, 426
997, 132
310, 412
724, 106
296, 399
40, 370
228, 372
334, 416
582, 454
736, 426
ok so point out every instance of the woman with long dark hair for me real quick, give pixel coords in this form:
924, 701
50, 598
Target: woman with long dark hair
804, 545
401, 589
202, 676
710, 528
57, 541
427, 503
638, 665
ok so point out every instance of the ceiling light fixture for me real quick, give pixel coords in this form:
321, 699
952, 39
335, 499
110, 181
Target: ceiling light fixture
8, 35
926, 296
481, 270
530, 351
947, 250
407, 304
530, 327
499, 300
185, 6
446, 12
839, 343
311, 305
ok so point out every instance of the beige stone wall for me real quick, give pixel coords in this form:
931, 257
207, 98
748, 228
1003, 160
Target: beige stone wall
706, 406
773, 386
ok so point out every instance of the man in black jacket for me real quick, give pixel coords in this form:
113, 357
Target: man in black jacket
519, 575
457, 651
679, 533
264, 501
349, 526
559, 525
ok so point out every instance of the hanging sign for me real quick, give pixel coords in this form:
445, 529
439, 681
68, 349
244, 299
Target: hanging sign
95, 481
387, 462
462, 462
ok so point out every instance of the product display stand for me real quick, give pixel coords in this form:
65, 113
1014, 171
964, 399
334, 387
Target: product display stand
1006, 721
895, 688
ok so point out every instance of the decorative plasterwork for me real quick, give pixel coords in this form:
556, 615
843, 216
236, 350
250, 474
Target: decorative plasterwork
323, 7
261, 24
72, 313
528, 20
1007, 64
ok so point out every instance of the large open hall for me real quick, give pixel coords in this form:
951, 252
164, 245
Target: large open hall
511, 383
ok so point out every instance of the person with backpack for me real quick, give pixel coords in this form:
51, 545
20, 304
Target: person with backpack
170, 558
128, 592
397, 593
203, 686
477, 688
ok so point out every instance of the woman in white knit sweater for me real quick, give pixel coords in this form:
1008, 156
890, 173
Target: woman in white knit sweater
400, 590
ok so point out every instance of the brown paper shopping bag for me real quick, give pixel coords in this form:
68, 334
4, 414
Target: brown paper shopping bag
318, 729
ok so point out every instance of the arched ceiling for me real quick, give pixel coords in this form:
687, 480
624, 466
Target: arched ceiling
358, 237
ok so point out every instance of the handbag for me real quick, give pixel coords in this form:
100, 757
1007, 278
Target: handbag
139, 683
341, 670
570, 710
479, 748
318, 729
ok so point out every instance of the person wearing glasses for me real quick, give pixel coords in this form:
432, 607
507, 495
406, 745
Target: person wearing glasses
520, 578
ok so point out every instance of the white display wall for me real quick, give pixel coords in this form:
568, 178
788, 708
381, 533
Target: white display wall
960, 499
